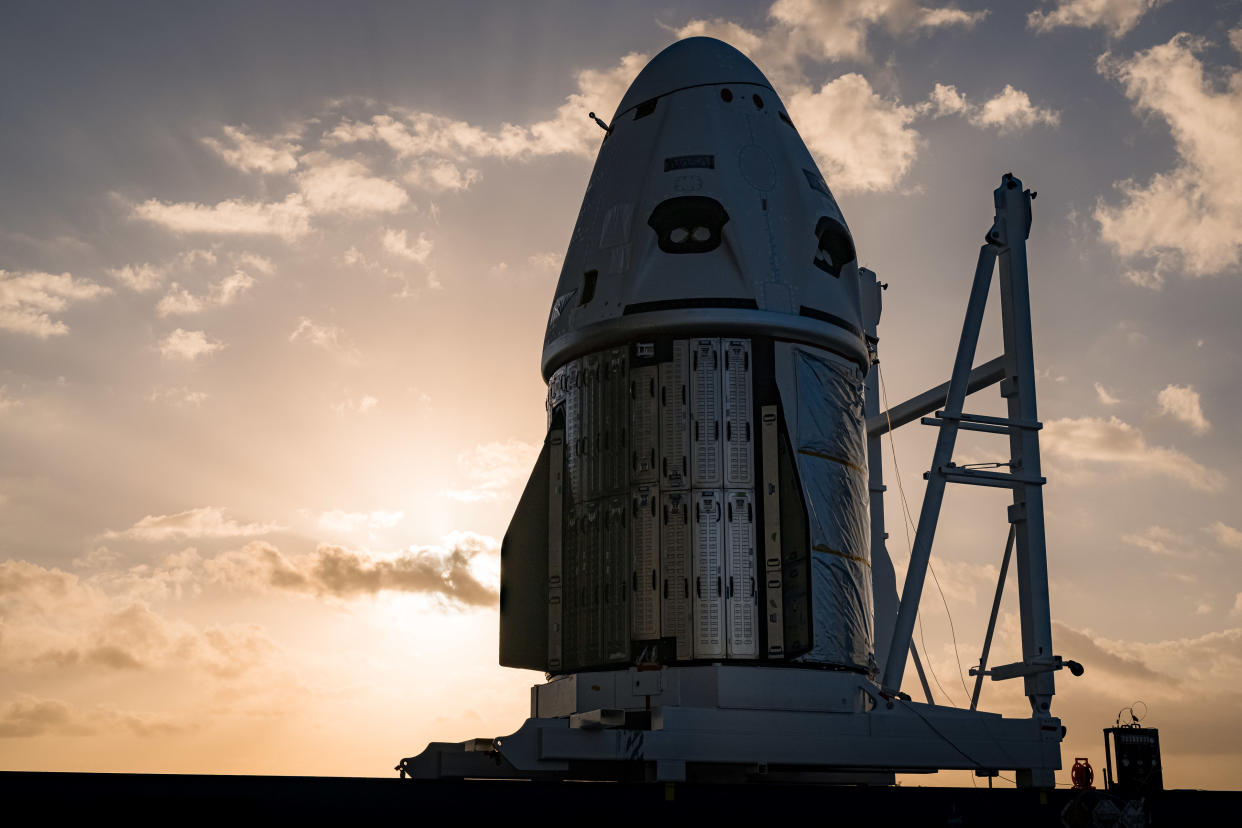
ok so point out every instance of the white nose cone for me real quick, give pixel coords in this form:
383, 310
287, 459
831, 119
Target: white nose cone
705, 212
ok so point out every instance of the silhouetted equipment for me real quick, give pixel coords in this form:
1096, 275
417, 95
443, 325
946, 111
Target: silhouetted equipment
1137, 754
1082, 774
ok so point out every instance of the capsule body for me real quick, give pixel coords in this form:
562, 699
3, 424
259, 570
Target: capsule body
701, 495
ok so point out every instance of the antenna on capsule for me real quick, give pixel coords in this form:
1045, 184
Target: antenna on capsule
602, 125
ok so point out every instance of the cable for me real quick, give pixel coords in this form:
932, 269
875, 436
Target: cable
946, 739
930, 667
952, 631
1134, 719
906, 525
963, 753
909, 521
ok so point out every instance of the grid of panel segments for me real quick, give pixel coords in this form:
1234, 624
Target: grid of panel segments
657, 547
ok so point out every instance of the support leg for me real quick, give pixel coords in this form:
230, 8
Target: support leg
996, 602
916, 572
1013, 213
918, 668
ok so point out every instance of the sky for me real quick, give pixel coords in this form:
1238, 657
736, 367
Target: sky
273, 286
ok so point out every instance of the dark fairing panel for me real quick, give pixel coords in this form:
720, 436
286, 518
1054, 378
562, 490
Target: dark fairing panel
524, 576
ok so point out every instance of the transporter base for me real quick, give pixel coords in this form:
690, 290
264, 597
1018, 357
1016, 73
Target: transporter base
732, 723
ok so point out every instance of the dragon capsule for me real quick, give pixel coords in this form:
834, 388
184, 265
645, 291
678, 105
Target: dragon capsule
701, 494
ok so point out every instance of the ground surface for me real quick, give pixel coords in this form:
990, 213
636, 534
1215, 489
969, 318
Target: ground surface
176, 799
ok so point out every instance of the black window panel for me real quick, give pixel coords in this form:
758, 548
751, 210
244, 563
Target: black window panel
688, 224
645, 108
836, 248
588, 286
687, 162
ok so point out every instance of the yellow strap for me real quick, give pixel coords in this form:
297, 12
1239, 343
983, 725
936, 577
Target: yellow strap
819, 547
821, 456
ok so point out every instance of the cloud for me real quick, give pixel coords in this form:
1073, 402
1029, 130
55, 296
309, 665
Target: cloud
1117, 16
188, 345
862, 141
429, 143
254, 261
359, 406
203, 522
139, 277
1093, 440
1212, 659
396, 243
288, 219
440, 175
1183, 218
175, 576
146, 277
353, 257
962, 581
247, 153
1201, 736
177, 396
1104, 396
546, 262
29, 716
1150, 279
1012, 110
1086, 650
866, 142
336, 185
225, 291
192, 258
838, 29
1009, 111
55, 621
27, 299
493, 468
97, 558
337, 520
179, 301
829, 30
458, 572
330, 338
1160, 541
946, 100
1225, 535
568, 132
1181, 402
